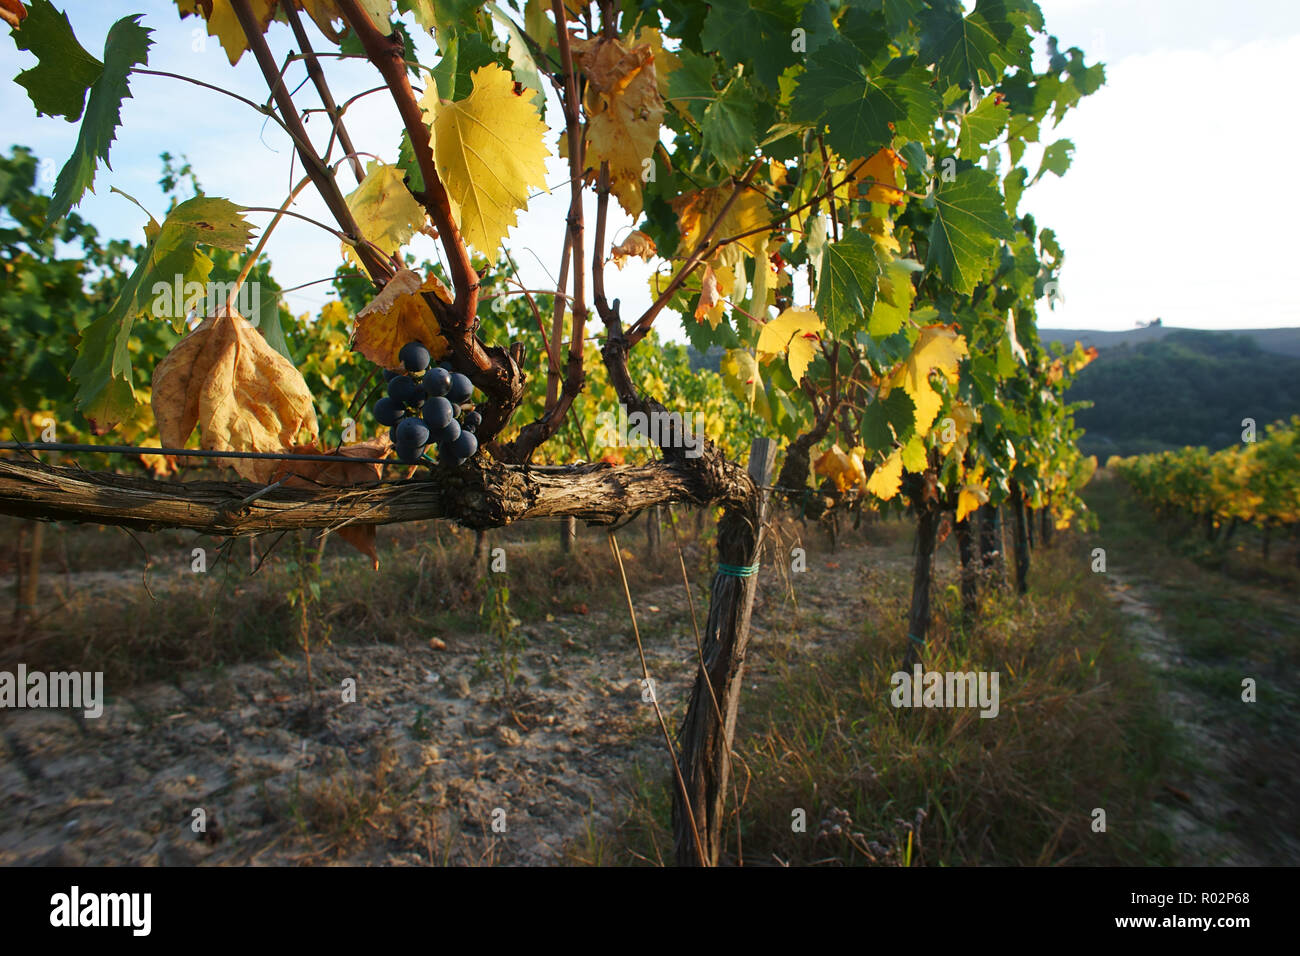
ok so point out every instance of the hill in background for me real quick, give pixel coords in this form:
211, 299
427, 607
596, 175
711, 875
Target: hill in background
1169, 388
1158, 387
1277, 341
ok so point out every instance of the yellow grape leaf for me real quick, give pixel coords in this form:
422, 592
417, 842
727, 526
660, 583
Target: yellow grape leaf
397, 315
636, 244
490, 150
858, 454
894, 302
709, 297
325, 12
385, 211
957, 433
244, 395
881, 232
313, 474
914, 458
625, 111
843, 468
697, 210
969, 499
939, 348
665, 60
224, 25
877, 178
716, 285
794, 331
777, 173
740, 374
886, 479
1087, 357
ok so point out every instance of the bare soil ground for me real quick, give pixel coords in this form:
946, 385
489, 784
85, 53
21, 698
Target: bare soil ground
426, 766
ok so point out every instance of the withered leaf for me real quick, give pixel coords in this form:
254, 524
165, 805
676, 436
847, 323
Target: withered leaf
244, 395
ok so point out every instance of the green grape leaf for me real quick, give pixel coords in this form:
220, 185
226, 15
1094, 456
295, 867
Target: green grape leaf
970, 217
864, 111
975, 50
894, 301
981, 125
409, 165
462, 54
729, 132
1014, 187
1056, 159
846, 284
899, 14
64, 71
885, 421
690, 88
523, 66
171, 260
426, 12
127, 46
756, 33
818, 27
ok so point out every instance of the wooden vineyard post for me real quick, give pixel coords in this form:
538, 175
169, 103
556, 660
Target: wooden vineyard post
707, 731
918, 617
1022, 538
989, 536
652, 531
969, 590
568, 534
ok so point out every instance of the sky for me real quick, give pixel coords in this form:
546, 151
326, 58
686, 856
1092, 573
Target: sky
1176, 206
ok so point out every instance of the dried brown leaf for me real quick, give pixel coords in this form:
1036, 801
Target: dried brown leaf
244, 395
397, 315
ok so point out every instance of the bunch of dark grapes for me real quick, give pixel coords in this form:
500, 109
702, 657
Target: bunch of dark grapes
428, 406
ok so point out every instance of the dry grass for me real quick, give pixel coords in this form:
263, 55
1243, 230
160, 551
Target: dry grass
1079, 728
428, 586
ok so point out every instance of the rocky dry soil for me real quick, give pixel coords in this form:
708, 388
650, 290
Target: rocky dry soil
426, 766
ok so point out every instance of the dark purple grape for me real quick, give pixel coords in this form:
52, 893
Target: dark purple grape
448, 434
387, 411
436, 382
461, 389
437, 413
409, 453
405, 391
414, 357
463, 447
412, 432
472, 420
